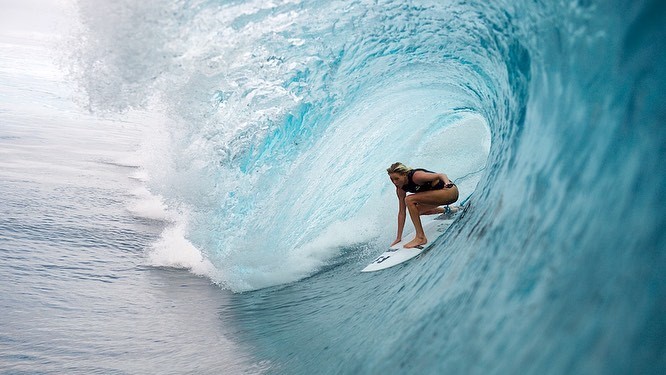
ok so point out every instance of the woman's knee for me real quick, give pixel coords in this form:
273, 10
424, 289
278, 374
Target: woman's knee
456, 194
410, 200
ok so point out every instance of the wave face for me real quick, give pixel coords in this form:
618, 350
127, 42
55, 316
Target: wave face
282, 116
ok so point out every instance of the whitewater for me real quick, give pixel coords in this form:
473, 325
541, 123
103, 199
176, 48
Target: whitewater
253, 181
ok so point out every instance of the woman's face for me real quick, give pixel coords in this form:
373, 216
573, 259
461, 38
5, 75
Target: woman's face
399, 180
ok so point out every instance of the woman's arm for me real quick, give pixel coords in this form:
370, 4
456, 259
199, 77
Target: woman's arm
445, 178
401, 214
421, 177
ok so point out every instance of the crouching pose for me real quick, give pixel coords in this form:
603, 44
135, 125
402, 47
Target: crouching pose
430, 191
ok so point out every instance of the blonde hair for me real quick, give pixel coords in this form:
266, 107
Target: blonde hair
398, 167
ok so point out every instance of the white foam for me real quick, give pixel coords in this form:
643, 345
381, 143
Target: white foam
252, 269
339, 235
174, 250
139, 175
149, 206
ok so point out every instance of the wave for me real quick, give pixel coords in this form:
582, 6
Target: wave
283, 115
285, 119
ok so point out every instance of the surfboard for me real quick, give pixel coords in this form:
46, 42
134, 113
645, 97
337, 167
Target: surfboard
433, 226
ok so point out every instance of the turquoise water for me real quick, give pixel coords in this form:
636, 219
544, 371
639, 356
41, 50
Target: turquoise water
253, 154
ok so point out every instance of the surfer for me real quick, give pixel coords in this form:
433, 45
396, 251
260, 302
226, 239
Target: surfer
430, 191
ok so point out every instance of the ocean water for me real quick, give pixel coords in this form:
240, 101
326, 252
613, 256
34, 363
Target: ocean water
199, 190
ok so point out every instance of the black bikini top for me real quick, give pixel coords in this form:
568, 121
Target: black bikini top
412, 187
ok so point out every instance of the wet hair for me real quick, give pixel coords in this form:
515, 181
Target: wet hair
398, 167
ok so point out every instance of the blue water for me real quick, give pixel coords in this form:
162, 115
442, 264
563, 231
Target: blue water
255, 159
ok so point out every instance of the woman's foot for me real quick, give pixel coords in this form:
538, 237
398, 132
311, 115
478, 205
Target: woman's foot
434, 211
455, 209
417, 241
449, 211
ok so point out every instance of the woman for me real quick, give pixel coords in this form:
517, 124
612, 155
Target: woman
430, 190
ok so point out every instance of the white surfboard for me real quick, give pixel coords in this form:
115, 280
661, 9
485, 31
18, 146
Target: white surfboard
433, 226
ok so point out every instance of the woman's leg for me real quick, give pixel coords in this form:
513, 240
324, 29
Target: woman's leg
426, 209
426, 198
432, 210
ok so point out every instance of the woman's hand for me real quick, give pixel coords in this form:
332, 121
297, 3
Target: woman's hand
445, 179
397, 240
